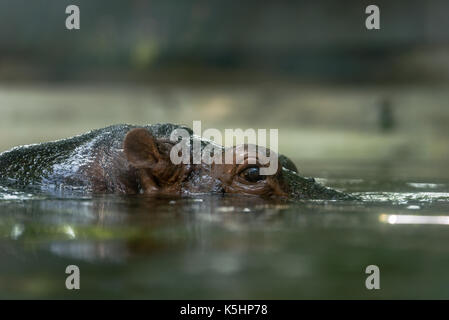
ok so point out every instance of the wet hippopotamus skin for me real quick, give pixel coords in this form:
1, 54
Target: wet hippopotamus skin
127, 159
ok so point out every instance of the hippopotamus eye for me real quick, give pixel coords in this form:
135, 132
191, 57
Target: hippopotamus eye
252, 174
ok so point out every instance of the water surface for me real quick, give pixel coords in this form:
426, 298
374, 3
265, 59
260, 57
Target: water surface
233, 247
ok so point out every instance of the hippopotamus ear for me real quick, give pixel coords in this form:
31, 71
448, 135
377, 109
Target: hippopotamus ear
140, 148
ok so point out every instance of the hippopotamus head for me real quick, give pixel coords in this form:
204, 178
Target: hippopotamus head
157, 173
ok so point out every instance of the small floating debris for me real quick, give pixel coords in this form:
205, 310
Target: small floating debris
247, 210
413, 207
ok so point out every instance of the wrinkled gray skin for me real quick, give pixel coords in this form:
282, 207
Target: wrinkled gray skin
76, 164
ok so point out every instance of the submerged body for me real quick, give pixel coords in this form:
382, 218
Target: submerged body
128, 159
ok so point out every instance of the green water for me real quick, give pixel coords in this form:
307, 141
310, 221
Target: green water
234, 247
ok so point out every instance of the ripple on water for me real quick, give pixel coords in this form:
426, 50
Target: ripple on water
403, 197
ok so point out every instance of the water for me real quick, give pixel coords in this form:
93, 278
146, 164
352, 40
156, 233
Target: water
234, 247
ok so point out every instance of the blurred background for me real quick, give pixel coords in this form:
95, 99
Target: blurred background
365, 110
338, 93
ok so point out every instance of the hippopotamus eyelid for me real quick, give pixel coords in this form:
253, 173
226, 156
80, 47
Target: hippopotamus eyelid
244, 166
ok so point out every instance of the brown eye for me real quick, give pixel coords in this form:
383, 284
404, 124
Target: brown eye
252, 174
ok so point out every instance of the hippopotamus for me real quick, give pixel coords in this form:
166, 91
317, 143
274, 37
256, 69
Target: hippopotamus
129, 159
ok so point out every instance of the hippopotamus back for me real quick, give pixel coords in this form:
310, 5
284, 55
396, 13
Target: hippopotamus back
89, 162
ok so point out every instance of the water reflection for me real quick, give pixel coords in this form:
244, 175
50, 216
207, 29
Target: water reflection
112, 228
212, 246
